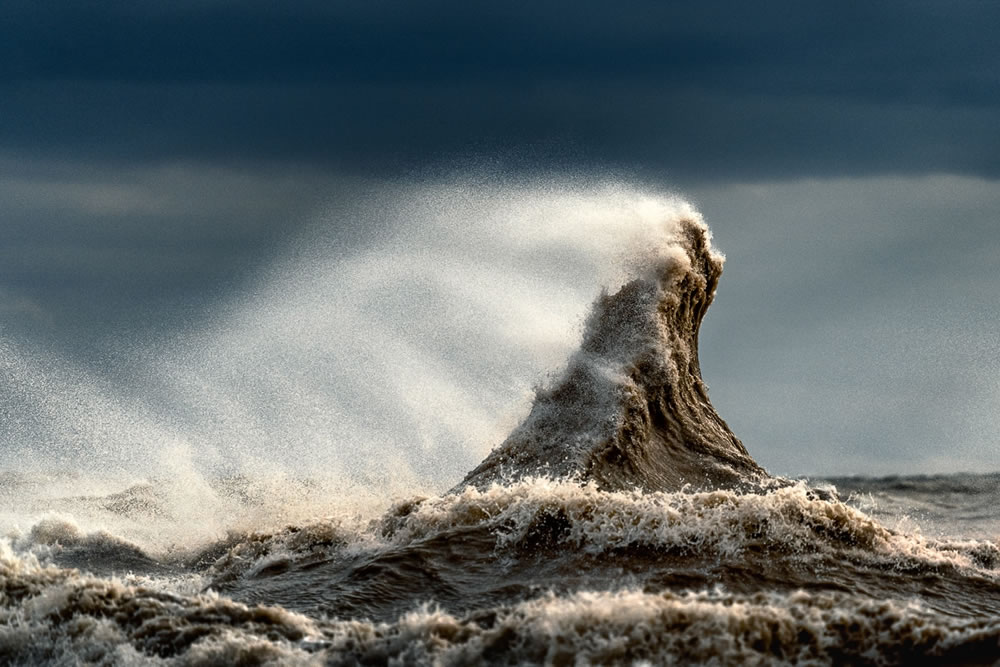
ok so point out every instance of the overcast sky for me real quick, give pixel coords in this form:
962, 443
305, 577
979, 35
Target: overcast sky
164, 165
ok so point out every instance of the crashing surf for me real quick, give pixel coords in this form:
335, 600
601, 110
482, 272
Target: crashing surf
621, 521
631, 410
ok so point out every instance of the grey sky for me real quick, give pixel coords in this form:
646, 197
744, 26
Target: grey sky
867, 311
159, 162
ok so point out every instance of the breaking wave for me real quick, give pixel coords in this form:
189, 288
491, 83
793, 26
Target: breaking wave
621, 522
631, 409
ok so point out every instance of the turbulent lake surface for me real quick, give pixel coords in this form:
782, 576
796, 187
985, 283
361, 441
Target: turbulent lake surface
621, 522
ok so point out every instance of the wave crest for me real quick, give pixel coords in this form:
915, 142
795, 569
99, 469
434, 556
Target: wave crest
631, 409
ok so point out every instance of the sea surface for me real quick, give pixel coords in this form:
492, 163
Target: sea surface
876, 571
621, 522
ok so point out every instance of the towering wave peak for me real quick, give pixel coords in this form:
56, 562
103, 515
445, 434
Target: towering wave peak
631, 409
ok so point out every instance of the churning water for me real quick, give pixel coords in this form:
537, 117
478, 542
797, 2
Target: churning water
271, 486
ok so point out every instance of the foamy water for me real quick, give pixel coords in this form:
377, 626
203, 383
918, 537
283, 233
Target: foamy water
268, 487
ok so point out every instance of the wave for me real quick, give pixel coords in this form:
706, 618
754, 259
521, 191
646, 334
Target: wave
57, 616
636, 627
631, 409
621, 521
506, 544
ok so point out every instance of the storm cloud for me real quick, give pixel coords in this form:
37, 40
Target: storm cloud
719, 90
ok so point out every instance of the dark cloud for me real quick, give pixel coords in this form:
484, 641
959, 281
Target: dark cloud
685, 134
712, 90
876, 48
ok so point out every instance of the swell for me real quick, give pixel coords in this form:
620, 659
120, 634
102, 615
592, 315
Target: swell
508, 544
631, 409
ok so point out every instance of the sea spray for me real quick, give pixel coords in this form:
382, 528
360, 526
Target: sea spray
631, 409
291, 451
